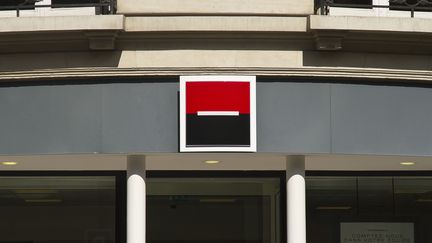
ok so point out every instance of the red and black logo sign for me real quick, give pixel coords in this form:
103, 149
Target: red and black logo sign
217, 113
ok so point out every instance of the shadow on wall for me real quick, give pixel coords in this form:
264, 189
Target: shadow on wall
56, 60
366, 60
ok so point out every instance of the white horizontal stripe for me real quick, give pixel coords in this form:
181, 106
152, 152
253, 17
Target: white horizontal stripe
218, 113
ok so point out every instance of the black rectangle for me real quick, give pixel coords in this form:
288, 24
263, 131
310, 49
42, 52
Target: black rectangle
217, 130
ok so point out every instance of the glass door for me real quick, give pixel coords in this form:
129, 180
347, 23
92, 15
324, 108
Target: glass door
213, 209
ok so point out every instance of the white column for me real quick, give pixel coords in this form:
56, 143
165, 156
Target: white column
136, 199
296, 199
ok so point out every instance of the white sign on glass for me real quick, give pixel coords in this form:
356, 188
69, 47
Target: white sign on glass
372, 232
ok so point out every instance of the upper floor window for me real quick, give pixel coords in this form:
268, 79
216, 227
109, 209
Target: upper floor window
27, 4
10, 8
62, 208
355, 3
102, 6
389, 8
410, 5
73, 2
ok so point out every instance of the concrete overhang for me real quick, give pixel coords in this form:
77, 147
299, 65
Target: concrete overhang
228, 162
59, 32
105, 32
372, 34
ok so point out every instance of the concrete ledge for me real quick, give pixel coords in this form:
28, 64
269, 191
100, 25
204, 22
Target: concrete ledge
216, 23
372, 24
64, 23
380, 75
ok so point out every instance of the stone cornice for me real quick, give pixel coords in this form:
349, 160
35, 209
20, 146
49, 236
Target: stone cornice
380, 75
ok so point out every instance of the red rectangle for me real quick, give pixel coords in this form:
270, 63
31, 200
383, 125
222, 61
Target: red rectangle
217, 96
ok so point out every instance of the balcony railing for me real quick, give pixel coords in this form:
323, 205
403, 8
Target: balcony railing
323, 7
103, 7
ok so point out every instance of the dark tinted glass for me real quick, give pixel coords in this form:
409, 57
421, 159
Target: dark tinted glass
375, 196
408, 5
14, 3
74, 1
11, 2
69, 2
329, 199
339, 206
207, 210
66, 209
360, 2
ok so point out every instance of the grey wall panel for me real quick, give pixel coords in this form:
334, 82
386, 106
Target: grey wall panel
381, 120
49, 119
144, 117
140, 117
293, 117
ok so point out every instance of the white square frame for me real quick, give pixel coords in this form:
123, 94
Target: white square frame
253, 143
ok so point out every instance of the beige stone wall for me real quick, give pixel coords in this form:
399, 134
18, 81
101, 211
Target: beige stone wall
215, 7
371, 24
215, 23
10, 25
95, 46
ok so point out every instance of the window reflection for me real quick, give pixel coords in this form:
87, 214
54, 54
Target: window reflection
332, 200
43, 209
213, 210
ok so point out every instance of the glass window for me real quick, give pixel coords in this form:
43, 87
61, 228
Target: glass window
60, 209
74, 1
368, 2
341, 205
102, 9
14, 3
329, 199
213, 210
413, 200
375, 196
407, 4
355, 3
70, 2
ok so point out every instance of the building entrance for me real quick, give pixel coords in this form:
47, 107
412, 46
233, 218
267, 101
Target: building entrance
216, 208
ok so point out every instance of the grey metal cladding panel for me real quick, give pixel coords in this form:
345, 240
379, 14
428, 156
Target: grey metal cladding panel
49, 119
381, 120
293, 117
140, 117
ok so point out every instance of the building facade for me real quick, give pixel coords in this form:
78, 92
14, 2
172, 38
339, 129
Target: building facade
90, 130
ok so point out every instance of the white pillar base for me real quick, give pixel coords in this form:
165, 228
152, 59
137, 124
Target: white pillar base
136, 199
296, 199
